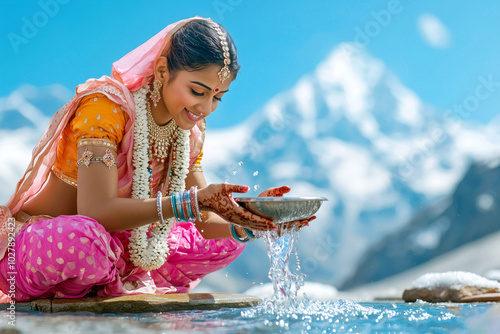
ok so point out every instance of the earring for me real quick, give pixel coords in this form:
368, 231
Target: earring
155, 92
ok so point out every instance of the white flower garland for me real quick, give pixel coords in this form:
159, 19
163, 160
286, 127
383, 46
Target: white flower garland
150, 254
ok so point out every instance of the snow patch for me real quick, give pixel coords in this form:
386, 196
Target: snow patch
454, 280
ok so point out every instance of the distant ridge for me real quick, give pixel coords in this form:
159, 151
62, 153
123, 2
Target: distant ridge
471, 213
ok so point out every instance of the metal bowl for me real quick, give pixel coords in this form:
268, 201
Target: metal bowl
282, 209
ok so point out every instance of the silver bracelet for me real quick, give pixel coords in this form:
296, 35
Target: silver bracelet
159, 207
194, 190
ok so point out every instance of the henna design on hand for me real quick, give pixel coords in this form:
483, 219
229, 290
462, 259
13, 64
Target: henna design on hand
295, 225
275, 192
218, 198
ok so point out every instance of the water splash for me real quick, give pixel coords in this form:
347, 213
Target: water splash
256, 187
284, 312
286, 282
256, 173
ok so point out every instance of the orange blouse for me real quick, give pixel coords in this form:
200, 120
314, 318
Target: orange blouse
96, 117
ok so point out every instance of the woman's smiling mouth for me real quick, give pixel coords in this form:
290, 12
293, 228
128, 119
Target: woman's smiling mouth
193, 116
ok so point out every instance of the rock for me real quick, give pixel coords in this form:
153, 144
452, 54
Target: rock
18, 307
146, 303
445, 294
487, 297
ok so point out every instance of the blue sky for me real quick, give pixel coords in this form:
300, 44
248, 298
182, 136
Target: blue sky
278, 42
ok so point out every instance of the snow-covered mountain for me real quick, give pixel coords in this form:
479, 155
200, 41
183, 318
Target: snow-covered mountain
349, 131
470, 213
352, 132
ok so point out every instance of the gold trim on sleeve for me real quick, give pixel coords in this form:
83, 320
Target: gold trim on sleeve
69, 180
96, 142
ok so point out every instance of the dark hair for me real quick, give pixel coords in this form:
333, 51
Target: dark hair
196, 45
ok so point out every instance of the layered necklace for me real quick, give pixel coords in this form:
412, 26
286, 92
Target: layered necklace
152, 141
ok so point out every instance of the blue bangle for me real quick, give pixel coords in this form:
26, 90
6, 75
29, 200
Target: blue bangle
249, 233
178, 203
172, 199
235, 236
187, 198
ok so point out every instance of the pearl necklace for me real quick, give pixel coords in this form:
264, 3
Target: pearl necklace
151, 253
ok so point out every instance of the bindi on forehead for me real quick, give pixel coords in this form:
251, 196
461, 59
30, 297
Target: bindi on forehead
215, 90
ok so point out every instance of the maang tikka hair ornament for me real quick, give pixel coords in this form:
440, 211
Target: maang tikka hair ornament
224, 73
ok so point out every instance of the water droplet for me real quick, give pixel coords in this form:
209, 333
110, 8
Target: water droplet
226, 274
256, 173
240, 163
234, 172
261, 284
256, 187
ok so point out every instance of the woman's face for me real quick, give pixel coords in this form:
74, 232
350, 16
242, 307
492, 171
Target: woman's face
191, 96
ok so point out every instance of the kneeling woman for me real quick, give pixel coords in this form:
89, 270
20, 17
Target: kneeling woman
114, 200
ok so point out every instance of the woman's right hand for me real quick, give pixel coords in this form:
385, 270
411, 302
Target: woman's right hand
218, 198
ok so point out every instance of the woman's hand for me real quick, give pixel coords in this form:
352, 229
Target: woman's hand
295, 225
218, 198
279, 192
275, 192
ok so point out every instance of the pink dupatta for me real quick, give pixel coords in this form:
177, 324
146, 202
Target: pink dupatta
129, 73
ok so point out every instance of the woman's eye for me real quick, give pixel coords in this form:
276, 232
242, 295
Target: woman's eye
218, 98
196, 93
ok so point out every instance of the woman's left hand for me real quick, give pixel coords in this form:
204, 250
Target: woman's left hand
295, 225
275, 192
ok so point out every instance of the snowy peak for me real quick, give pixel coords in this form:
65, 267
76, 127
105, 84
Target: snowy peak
352, 132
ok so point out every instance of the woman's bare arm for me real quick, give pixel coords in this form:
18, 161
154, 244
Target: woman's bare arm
97, 197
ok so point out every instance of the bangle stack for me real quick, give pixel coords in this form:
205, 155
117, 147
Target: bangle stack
185, 205
249, 235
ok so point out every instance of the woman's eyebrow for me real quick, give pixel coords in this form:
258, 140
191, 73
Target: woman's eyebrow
205, 86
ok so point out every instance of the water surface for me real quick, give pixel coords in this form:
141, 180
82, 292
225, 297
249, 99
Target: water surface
320, 317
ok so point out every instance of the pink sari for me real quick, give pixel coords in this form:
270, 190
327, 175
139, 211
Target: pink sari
187, 246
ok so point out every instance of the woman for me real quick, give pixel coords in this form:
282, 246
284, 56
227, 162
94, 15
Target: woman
110, 203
